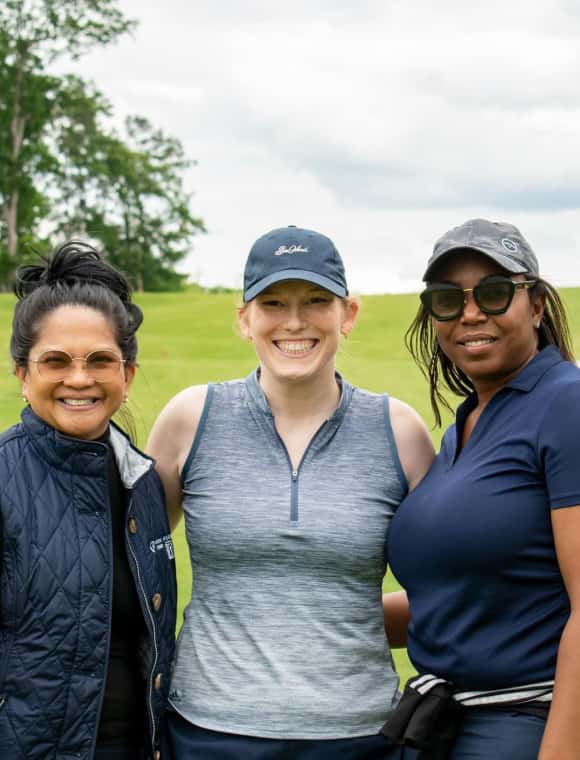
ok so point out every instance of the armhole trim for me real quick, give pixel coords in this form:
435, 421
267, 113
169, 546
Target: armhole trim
393, 445
198, 432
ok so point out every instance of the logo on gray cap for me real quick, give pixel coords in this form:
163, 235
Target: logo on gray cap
510, 245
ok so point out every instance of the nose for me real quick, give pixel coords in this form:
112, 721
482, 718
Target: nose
295, 318
78, 374
471, 312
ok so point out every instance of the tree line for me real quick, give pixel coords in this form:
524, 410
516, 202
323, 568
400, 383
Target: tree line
65, 172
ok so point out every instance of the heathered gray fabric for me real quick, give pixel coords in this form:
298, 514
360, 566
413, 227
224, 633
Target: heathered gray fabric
283, 636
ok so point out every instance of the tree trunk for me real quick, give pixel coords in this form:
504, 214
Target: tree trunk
11, 217
17, 128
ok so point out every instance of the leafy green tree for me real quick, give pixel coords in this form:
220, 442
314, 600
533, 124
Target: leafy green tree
125, 192
63, 170
33, 34
155, 225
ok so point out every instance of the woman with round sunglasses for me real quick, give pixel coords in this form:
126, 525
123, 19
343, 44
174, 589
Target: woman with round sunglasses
488, 545
288, 480
87, 574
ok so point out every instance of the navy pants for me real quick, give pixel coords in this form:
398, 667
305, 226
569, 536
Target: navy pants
189, 742
488, 734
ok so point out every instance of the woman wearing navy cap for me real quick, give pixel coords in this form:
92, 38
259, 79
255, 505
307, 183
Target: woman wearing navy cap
488, 546
288, 480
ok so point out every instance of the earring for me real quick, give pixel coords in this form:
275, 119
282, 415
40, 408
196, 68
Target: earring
125, 398
24, 399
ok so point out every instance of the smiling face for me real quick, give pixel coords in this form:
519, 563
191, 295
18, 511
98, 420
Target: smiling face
489, 349
296, 328
77, 406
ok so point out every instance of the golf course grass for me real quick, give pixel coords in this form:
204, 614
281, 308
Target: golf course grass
190, 337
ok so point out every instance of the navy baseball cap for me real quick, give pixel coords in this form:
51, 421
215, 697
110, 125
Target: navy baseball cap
499, 241
291, 253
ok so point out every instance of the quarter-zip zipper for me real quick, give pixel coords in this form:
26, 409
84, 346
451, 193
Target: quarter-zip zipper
154, 665
295, 473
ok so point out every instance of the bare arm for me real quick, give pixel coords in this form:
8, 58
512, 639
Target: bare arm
562, 735
416, 453
414, 443
170, 442
397, 616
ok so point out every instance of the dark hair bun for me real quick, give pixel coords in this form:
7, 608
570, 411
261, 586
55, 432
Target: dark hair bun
135, 313
74, 263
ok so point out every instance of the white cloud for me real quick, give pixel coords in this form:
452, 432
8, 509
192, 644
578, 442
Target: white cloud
381, 123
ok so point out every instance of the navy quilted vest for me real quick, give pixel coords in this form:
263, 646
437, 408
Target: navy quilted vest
56, 585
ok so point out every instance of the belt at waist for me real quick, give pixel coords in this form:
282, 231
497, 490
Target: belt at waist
431, 708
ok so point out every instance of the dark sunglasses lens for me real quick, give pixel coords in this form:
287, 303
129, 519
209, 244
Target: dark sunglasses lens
444, 303
494, 297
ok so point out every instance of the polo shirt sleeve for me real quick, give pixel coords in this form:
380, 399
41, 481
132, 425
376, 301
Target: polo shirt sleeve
559, 447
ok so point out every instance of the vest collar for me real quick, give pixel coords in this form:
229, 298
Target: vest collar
77, 456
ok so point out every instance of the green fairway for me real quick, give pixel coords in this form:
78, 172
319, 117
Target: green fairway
191, 337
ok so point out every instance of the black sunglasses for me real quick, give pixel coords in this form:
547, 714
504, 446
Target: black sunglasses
493, 295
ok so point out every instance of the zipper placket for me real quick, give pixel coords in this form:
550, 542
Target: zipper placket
108, 520
154, 665
295, 473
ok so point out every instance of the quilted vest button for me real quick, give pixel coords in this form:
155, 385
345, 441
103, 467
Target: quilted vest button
158, 681
156, 602
132, 525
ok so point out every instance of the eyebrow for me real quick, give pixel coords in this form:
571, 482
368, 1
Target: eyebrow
115, 349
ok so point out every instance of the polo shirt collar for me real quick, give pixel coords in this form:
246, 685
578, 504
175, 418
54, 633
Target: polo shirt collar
535, 369
526, 381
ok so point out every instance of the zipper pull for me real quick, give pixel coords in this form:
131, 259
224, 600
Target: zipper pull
294, 474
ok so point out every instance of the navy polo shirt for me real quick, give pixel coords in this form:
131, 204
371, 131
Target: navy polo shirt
473, 543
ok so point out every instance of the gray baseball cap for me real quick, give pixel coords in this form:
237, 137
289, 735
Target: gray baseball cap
499, 241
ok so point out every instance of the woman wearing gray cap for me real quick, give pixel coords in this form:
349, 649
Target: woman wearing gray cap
288, 480
488, 546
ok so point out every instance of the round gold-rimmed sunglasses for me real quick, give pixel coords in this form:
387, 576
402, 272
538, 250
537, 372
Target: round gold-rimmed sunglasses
493, 295
102, 365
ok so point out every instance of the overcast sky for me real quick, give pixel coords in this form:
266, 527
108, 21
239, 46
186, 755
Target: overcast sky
380, 123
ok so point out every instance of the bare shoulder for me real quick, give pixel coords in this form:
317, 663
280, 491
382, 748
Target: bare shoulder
185, 408
171, 439
414, 444
176, 425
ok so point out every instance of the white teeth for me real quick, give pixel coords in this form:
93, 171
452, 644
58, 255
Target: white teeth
295, 346
479, 342
77, 401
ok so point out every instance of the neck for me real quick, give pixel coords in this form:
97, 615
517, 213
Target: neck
309, 398
488, 387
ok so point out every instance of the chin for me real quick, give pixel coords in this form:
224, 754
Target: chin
84, 433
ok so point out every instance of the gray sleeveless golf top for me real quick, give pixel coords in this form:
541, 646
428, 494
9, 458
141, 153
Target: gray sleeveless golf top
283, 636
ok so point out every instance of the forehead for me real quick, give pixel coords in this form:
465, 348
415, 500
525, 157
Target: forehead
462, 265
75, 326
293, 287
